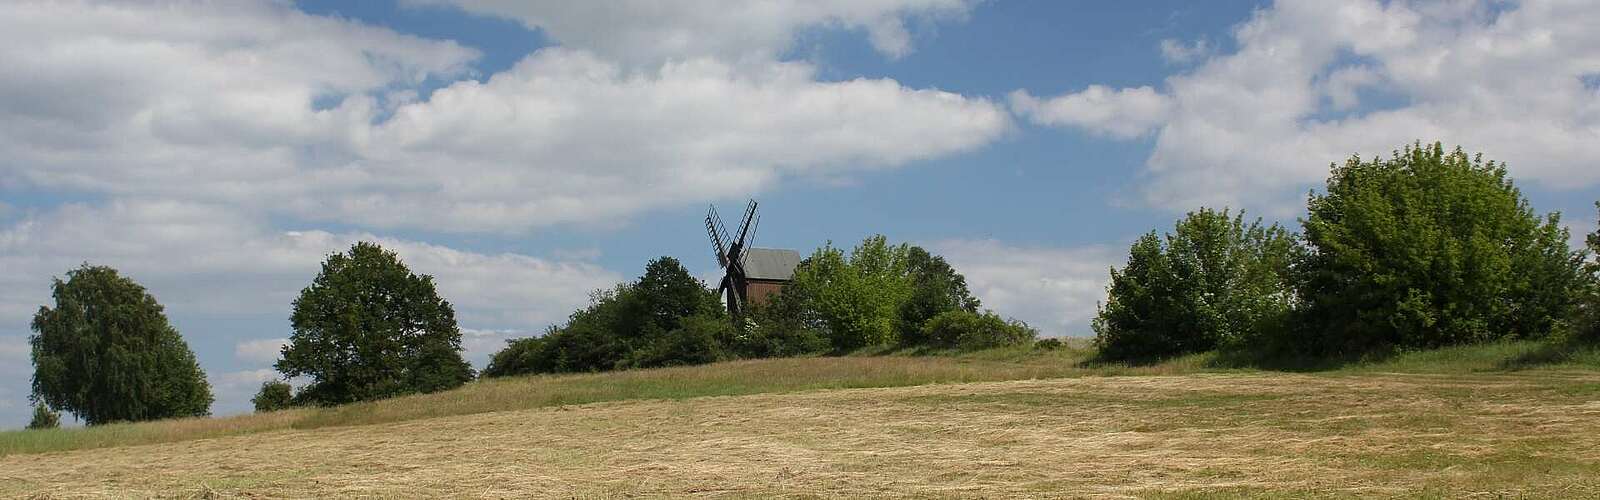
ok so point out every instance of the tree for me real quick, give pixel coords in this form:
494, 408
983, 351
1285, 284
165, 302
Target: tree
880, 294
1428, 249
1215, 281
1587, 325
274, 395
106, 353
936, 288
368, 328
665, 318
43, 418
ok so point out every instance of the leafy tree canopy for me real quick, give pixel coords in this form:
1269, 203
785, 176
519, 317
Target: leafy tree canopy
1430, 248
106, 353
879, 294
274, 395
1215, 280
666, 317
369, 328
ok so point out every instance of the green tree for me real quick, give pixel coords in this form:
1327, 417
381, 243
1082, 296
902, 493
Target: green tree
274, 395
43, 418
1426, 249
106, 353
855, 300
369, 328
1588, 314
878, 294
666, 317
936, 288
1217, 281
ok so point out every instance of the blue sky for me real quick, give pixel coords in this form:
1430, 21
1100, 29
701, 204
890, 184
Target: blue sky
527, 152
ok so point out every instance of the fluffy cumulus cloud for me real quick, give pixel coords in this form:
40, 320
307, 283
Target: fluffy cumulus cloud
645, 31
259, 351
1121, 113
318, 119
1312, 82
1056, 290
232, 263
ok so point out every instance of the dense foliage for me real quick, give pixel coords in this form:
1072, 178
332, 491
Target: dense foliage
369, 328
967, 330
106, 353
274, 395
1426, 249
1215, 280
880, 294
1587, 323
665, 318
43, 418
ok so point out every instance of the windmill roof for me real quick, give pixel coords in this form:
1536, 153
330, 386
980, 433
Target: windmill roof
770, 263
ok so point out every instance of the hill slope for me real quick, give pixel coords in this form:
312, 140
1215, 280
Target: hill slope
1343, 434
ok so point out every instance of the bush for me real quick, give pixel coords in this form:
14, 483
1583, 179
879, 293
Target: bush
966, 330
665, 318
880, 294
1216, 281
274, 395
106, 353
369, 328
1430, 249
1049, 344
43, 418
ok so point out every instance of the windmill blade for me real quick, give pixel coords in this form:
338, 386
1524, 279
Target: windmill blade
745, 256
717, 237
744, 226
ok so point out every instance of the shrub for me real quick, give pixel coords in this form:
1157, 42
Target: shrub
106, 353
369, 328
1049, 344
43, 418
1215, 281
880, 294
1429, 249
966, 330
274, 395
666, 317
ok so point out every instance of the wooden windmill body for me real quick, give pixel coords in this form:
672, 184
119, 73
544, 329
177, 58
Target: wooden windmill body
751, 276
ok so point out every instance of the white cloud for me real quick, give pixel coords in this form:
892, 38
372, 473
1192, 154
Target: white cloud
650, 32
199, 257
1257, 126
220, 108
1124, 113
1054, 289
232, 390
259, 351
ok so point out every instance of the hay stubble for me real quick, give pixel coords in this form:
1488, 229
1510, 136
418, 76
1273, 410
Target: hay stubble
1229, 434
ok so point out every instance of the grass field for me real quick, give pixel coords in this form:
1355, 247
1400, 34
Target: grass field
1506, 420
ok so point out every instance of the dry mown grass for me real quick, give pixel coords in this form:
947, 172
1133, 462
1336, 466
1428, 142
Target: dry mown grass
1344, 435
721, 379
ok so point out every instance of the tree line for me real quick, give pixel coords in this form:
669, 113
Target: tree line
1421, 250
369, 328
877, 295
1425, 249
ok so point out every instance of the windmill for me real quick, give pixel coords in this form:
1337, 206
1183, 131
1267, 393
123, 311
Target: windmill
750, 275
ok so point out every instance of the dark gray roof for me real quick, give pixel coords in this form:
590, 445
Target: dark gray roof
770, 263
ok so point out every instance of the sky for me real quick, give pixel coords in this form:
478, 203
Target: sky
525, 152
